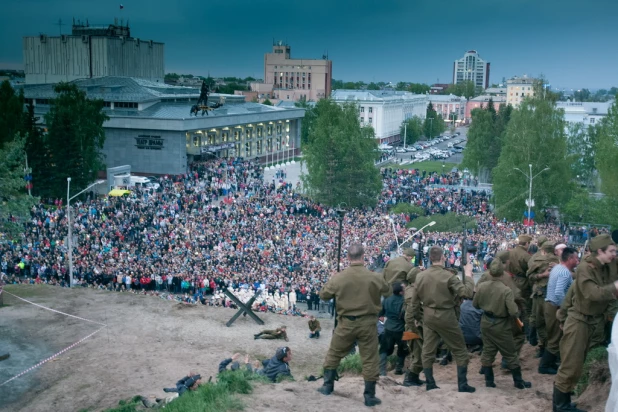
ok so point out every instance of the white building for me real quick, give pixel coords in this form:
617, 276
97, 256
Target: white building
471, 68
586, 113
449, 106
385, 111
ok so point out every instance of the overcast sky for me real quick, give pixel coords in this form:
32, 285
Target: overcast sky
571, 42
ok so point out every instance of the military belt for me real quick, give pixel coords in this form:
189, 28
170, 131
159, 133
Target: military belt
355, 317
490, 315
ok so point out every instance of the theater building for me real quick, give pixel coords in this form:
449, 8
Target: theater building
150, 126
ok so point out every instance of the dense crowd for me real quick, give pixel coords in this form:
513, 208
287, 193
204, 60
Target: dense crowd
220, 226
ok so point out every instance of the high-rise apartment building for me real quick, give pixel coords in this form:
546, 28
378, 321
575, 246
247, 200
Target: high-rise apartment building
471, 68
518, 88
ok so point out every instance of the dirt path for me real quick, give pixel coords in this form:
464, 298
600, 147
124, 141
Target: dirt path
150, 343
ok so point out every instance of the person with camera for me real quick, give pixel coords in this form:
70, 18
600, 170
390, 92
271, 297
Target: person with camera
436, 290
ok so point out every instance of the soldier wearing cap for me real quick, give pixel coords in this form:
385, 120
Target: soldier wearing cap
539, 268
499, 310
397, 269
415, 366
593, 292
519, 337
518, 266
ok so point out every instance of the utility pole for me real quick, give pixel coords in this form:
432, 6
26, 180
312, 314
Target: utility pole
530, 179
60, 24
405, 133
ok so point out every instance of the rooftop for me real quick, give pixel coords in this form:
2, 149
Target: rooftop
597, 108
486, 97
445, 98
373, 95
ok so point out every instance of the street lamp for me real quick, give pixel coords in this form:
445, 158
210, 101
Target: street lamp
69, 237
394, 232
530, 178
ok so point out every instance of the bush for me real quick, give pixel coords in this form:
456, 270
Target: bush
408, 209
351, 363
595, 359
449, 222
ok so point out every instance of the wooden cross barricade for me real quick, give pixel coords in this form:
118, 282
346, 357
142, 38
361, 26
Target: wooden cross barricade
243, 308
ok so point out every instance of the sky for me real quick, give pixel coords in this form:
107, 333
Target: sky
572, 43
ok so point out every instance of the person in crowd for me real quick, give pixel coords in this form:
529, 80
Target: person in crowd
279, 333
393, 310
314, 328
415, 328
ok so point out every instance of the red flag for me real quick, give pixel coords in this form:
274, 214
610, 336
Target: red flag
121, 7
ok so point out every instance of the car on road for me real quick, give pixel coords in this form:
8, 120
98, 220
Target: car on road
450, 145
458, 147
400, 150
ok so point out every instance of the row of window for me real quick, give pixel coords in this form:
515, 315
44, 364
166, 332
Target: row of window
292, 67
117, 105
369, 120
362, 109
205, 138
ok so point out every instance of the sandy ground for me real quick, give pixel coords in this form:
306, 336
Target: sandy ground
150, 343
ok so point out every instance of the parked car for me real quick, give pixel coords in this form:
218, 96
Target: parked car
450, 145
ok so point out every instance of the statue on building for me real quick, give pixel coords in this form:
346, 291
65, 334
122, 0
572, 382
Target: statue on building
204, 92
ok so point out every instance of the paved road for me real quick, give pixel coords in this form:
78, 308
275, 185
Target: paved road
456, 158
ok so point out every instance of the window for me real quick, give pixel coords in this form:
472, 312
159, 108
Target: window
211, 138
362, 109
196, 140
371, 110
269, 145
279, 143
123, 105
260, 132
370, 120
249, 133
278, 129
225, 135
592, 120
259, 147
269, 130
247, 149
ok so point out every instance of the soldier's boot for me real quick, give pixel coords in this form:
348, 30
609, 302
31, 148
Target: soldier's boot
446, 359
257, 335
488, 371
532, 338
329, 382
547, 365
504, 364
317, 335
399, 365
412, 379
518, 381
462, 380
539, 353
431, 382
561, 402
383, 358
370, 394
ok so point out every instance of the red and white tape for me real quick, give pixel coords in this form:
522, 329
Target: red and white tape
63, 350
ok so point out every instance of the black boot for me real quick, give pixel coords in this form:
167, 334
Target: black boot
399, 366
518, 381
383, 358
412, 379
488, 371
562, 402
446, 359
532, 338
504, 364
257, 335
547, 365
431, 383
462, 380
317, 335
539, 353
329, 382
370, 394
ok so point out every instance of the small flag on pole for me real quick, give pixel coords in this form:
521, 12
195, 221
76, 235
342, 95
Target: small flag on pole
121, 7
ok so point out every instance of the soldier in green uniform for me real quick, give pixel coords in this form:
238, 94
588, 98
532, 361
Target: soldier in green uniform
499, 310
415, 366
539, 266
357, 292
436, 289
518, 267
314, 328
397, 269
593, 292
279, 333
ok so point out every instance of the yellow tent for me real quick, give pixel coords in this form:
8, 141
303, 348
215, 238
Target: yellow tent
119, 192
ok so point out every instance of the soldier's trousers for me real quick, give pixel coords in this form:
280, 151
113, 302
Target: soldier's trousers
415, 348
537, 319
552, 326
579, 332
497, 336
519, 337
442, 323
363, 330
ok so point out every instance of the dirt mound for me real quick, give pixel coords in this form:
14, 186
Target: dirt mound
599, 383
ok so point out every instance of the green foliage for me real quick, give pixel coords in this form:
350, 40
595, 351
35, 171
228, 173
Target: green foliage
267, 102
132, 405
408, 209
596, 358
412, 129
373, 86
448, 222
581, 145
351, 363
11, 111
308, 120
535, 135
431, 166
75, 139
340, 157
466, 89
15, 203
434, 124
230, 88
607, 152
582, 207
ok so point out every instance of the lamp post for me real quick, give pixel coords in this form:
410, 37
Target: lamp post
418, 231
390, 219
530, 178
70, 237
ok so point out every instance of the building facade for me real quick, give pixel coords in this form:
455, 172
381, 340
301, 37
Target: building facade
291, 79
518, 88
481, 102
471, 68
585, 113
90, 52
385, 111
150, 126
450, 107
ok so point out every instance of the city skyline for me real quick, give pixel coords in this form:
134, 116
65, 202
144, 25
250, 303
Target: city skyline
568, 44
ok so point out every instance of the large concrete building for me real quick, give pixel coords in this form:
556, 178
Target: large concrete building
291, 79
385, 111
90, 52
585, 113
452, 108
471, 68
518, 88
150, 127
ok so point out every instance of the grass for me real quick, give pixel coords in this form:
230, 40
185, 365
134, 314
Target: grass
353, 364
209, 397
596, 368
430, 166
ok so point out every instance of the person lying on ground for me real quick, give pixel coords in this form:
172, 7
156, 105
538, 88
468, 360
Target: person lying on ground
279, 333
188, 383
278, 366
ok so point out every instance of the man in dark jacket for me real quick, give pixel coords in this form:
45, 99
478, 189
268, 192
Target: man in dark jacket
277, 366
470, 324
395, 324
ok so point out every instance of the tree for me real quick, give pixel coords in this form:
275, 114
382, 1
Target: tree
418, 88
448, 222
373, 86
434, 124
37, 150
581, 145
413, 129
308, 120
607, 152
267, 102
535, 135
466, 89
15, 203
11, 111
480, 135
340, 158
75, 139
